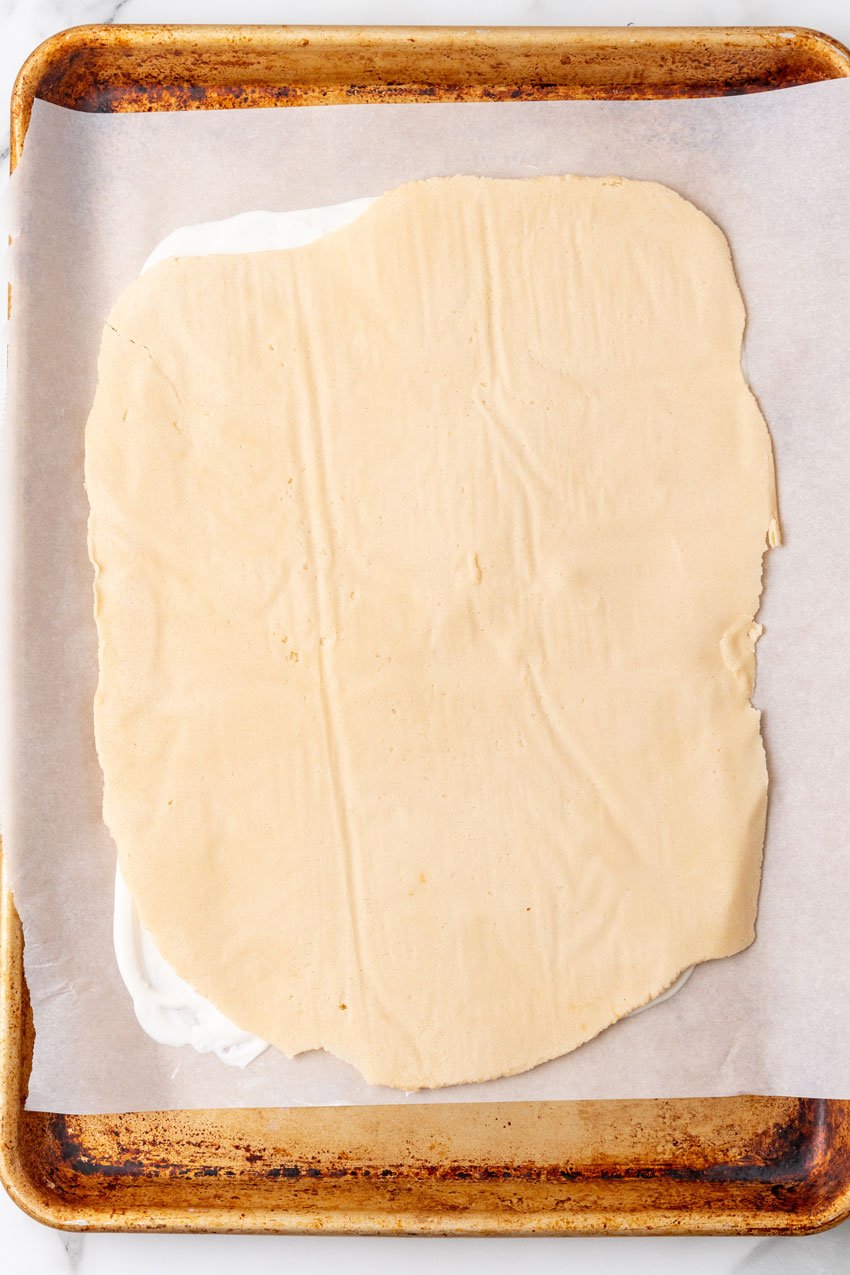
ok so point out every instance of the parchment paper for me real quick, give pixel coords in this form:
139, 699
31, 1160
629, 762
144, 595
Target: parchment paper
93, 195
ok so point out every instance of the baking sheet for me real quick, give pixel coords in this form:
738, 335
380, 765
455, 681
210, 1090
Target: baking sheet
93, 195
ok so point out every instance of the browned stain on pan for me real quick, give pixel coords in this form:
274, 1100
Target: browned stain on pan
744, 1164
155, 68
511, 1169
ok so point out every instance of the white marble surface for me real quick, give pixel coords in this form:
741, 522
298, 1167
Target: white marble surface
25, 1246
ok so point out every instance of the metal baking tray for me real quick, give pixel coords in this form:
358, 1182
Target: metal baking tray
744, 1164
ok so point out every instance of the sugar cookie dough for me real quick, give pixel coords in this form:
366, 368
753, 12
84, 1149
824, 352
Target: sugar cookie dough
427, 558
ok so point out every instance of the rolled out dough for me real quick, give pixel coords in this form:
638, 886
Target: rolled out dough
427, 558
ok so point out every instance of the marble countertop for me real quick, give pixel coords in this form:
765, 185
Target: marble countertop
26, 1246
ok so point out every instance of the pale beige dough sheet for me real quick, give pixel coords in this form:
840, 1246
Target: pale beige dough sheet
427, 558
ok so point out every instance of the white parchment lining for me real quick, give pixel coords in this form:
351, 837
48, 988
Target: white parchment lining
92, 196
